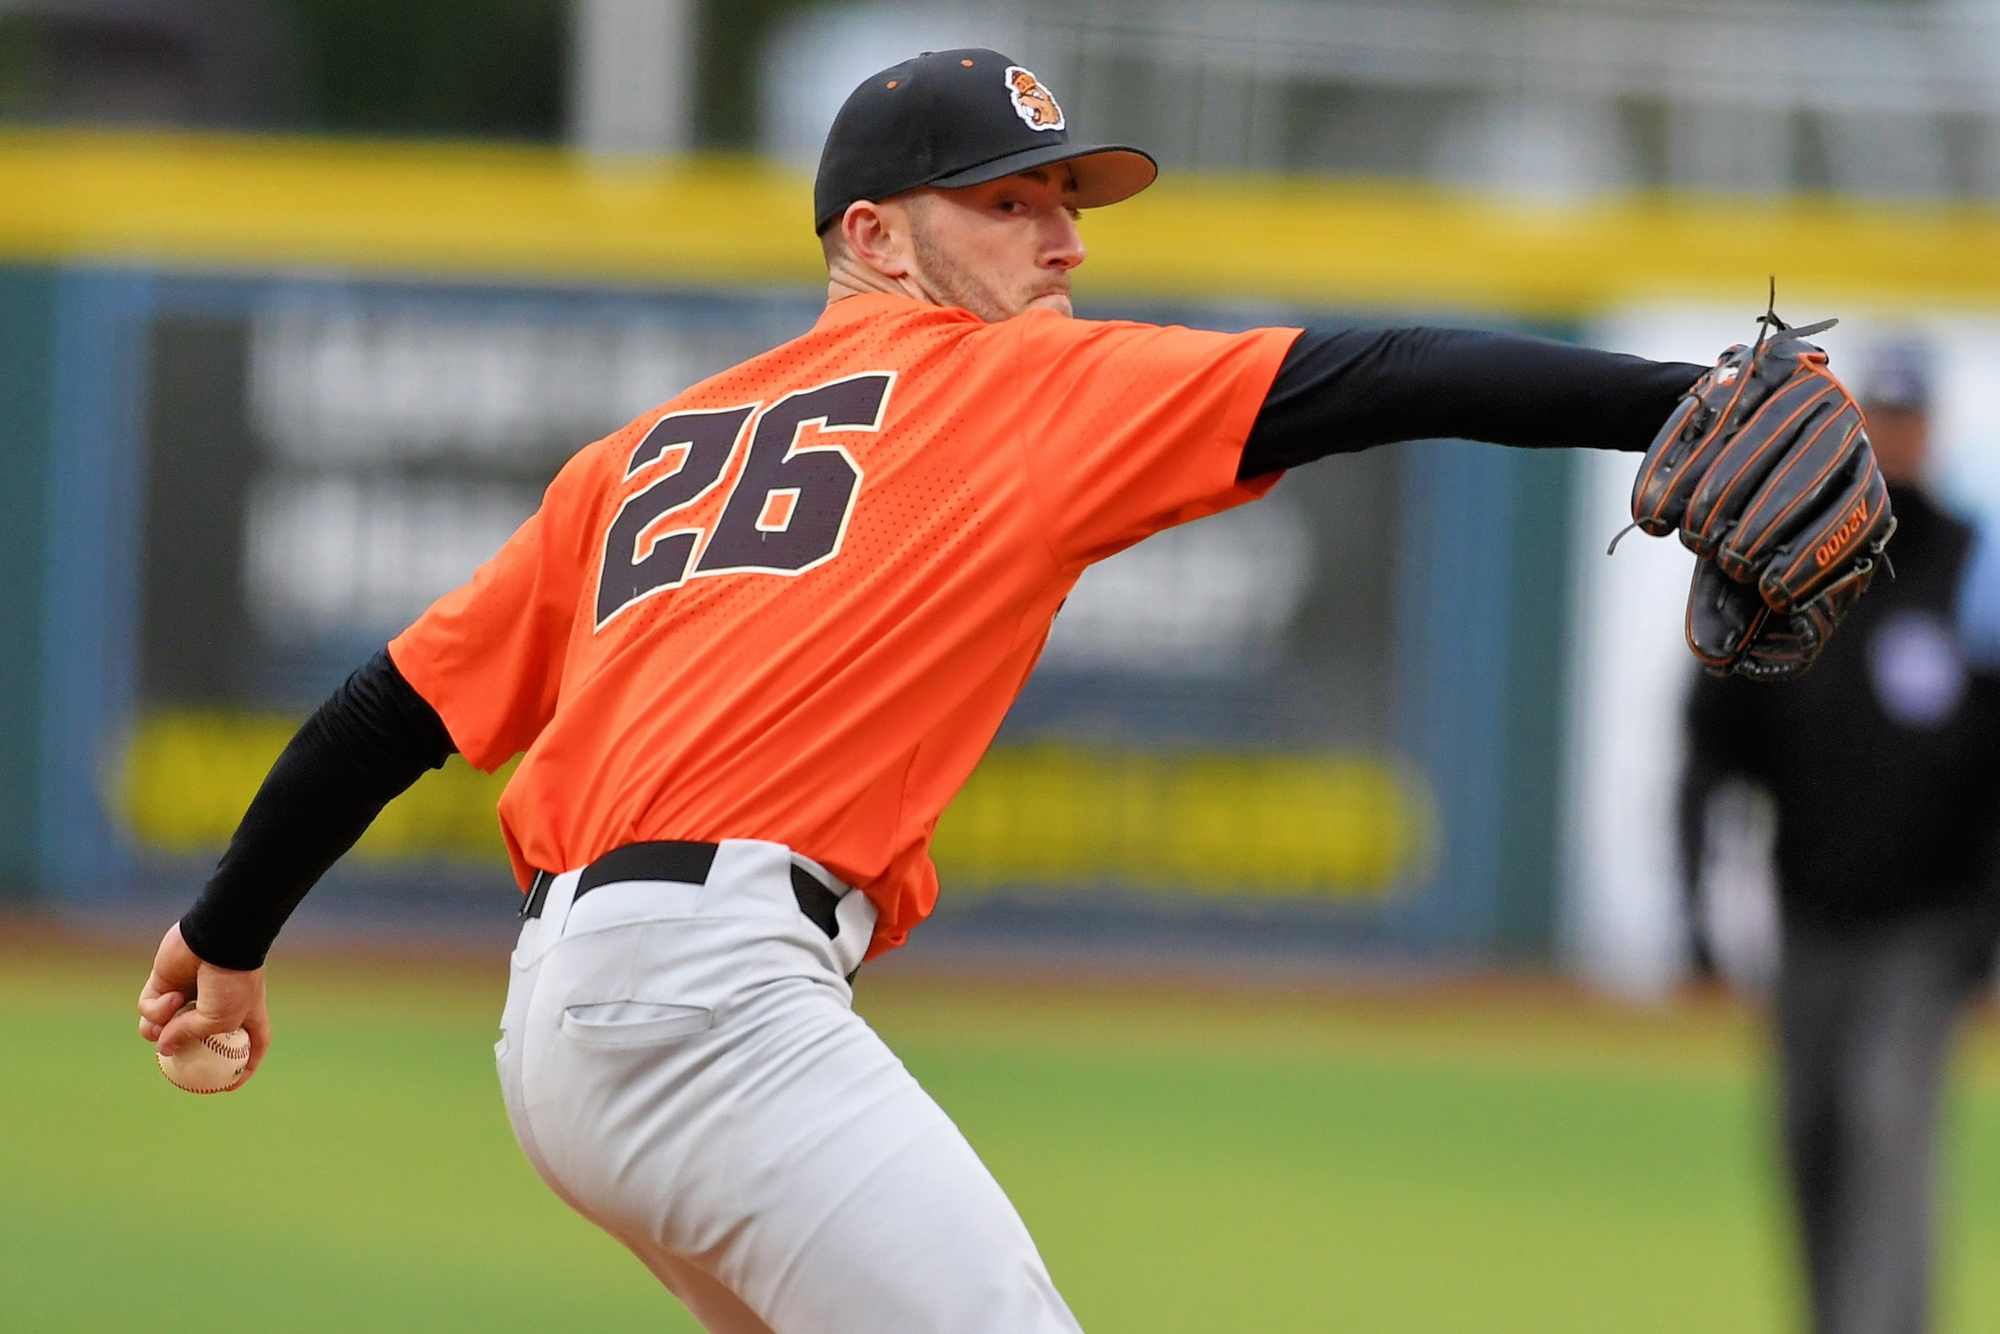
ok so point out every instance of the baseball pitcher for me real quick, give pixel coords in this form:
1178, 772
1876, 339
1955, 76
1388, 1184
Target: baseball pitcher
752, 644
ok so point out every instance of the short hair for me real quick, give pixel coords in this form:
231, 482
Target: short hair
832, 244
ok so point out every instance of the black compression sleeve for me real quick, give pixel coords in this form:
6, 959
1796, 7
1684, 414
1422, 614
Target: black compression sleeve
371, 739
1338, 392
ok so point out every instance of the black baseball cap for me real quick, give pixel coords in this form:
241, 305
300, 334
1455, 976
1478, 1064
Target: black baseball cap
954, 118
1898, 378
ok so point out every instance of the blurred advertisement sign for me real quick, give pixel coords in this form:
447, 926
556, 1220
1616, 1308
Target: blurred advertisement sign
349, 386
1215, 822
1194, 728
1210, 598
186, 776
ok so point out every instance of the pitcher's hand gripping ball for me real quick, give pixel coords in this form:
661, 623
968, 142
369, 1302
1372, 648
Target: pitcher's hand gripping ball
213, 1065
1766, 472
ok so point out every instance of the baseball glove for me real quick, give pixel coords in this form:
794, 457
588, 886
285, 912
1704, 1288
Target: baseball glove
1766, 472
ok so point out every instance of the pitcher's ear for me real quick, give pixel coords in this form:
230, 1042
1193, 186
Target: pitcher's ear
877, 235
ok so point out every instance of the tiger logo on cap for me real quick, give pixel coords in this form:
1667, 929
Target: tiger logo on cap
1033, 103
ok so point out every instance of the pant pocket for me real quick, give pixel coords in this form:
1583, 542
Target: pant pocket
630, 1023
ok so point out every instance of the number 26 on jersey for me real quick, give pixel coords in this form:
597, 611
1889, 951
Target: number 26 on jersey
786, 512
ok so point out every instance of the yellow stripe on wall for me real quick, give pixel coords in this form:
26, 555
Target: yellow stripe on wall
453, 209
1410, 245
481, 211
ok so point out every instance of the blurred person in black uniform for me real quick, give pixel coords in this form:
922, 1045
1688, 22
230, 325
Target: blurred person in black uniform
1881, 764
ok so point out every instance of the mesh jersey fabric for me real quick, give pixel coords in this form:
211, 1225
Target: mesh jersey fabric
836, 707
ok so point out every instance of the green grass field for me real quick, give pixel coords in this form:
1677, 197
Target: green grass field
1473, 1159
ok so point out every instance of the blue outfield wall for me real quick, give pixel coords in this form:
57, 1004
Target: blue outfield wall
27, 382
90, 577
1479, 586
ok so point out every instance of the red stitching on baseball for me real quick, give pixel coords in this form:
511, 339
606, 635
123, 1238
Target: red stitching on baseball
231, 1086
222, 1045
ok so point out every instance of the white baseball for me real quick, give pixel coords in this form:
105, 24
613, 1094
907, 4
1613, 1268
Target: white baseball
213, 1065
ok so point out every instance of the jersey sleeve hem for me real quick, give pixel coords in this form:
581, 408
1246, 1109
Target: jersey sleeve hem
1176, 472
412, 664
1230, 489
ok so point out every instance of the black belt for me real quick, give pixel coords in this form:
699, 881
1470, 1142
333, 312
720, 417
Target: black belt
684, 863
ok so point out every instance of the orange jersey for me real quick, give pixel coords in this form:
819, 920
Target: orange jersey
795, 602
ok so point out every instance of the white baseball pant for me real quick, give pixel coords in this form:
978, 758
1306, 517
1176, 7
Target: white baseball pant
683, 1065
